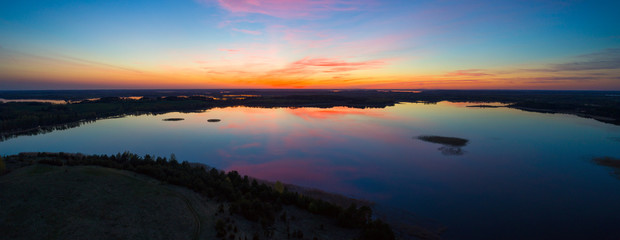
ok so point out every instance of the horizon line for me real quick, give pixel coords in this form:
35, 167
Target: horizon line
302, 89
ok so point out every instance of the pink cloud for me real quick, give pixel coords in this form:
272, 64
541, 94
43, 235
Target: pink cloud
340, 69
247, 31
230, 50
288, 8
331, 62
309, 66
248, 145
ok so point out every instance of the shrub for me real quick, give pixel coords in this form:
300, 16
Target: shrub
2, 166
55, 162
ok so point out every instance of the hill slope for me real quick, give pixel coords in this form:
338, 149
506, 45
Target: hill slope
77, 202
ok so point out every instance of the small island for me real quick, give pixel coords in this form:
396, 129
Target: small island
451, 141
214, 120
610, 162
451, 145
484, 106
173, 119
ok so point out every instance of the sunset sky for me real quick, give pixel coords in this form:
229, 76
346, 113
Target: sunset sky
395, 44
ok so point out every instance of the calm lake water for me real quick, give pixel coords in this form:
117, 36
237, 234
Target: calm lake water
522, 175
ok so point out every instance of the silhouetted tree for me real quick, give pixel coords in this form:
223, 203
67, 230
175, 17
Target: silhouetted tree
278, 187
377, 230
173, 159
2, 166
220, 228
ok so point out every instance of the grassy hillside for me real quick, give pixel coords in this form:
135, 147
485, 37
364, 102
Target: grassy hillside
42, 201
49, 202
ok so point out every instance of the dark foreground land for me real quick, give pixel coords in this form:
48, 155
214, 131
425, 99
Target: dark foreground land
19, 118
125, 196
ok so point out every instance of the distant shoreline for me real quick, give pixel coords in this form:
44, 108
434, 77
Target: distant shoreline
45, 117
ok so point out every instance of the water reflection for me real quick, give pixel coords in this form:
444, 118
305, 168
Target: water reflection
451, 151
333, 113
523, 176
42, 130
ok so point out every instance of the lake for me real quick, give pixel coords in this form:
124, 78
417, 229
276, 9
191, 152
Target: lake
521, 175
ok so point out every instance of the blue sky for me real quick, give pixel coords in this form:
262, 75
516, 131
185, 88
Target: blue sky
309, 44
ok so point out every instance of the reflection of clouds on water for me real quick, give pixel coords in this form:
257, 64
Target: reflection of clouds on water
451, 151
334, 113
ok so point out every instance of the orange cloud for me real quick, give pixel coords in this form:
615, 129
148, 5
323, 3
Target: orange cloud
330, 62
469, 73
311, 66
